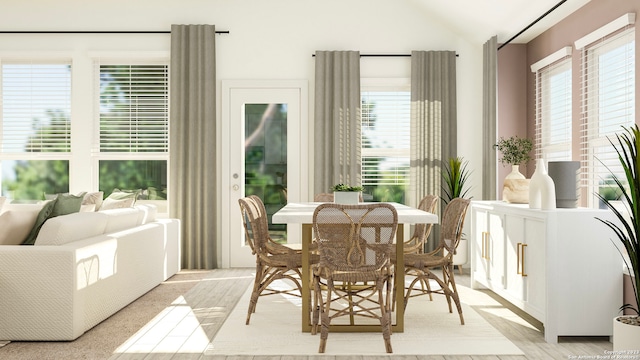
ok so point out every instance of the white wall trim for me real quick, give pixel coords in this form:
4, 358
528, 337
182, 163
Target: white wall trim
619, 23
564, 52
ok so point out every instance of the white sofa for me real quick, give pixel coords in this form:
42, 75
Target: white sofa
83, 268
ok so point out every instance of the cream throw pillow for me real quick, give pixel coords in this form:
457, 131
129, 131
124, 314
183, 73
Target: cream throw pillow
92, 198
15, 225
2, 200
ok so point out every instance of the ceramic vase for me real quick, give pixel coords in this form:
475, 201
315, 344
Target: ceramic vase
515, 173
542, 191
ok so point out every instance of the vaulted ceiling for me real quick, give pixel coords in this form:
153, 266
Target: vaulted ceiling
479, 20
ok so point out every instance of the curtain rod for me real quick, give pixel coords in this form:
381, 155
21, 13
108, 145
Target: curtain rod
384, 55
95, 32
533, 23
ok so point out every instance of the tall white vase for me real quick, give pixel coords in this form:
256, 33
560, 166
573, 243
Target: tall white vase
542, 191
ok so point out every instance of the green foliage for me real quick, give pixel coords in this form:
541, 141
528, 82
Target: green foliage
455, 177
515, 150
627, 233
343, 187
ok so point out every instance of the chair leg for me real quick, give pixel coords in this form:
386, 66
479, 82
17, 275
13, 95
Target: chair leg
317, 303
325, 321
456, 297
255, 293
385, 317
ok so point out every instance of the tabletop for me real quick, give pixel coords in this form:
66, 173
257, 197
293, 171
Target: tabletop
302, 213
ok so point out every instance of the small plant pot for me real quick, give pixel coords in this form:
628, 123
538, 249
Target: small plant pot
625, 336
346, 197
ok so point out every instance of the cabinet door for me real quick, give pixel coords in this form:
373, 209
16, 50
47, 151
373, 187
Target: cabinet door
534, 266
525, 263
495, 250
479, 228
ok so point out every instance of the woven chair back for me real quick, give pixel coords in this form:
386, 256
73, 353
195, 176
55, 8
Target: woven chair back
452, 223
355, 237
256, 225
421, 231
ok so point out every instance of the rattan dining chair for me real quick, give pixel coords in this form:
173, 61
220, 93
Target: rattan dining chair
422, 266
354, 274
415, 245
323, 197
273, 260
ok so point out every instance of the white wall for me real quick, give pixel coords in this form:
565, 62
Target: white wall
272, 39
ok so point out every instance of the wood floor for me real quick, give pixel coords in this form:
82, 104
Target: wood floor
529, 339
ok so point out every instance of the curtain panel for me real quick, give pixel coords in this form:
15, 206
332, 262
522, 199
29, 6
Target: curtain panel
337, 128
192, 134
489, 118
433, 123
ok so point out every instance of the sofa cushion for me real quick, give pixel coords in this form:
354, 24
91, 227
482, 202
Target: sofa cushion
2, 200
64, 229
147, 214
93, 198
15, 225
43, 215
121, 219
67, 204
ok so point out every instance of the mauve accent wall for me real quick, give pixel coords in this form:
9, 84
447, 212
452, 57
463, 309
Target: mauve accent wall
583, 21
512, 101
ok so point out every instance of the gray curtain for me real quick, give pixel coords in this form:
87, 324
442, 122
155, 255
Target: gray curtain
192, 169
433, 123
337, 117
489, 118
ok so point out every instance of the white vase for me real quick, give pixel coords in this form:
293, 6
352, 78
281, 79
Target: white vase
346, 197
515, 173
542, 191
625, 336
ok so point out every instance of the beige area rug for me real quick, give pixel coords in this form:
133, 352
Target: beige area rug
429, 330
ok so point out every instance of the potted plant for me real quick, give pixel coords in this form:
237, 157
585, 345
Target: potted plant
626, 328
345, 194
515, 151
455, 176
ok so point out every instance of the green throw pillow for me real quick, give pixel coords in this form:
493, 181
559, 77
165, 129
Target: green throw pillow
43, 215
67, 204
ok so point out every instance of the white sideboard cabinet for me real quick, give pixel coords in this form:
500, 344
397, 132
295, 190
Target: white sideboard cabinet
559, 266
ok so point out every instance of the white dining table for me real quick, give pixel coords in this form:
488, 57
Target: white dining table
302, 213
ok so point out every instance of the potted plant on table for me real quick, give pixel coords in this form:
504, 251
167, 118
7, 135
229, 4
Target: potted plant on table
515, 151
345, 194
626, 328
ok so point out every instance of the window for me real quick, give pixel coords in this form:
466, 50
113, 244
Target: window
385, 142
133, 128
553, 107
35, 141
608, 103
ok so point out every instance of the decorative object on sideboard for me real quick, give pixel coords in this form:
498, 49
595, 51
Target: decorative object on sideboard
626, 328
542, 191
565, 179
345, 194
515, 151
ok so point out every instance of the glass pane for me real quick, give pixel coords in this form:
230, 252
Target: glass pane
265, 164
148, 176
27, 181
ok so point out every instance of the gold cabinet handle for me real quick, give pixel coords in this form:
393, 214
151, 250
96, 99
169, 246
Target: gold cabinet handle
482, 245
520, 256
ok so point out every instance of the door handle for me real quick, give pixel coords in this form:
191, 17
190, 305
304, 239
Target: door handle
520, 256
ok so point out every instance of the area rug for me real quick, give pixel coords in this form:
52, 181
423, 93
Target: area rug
429, 330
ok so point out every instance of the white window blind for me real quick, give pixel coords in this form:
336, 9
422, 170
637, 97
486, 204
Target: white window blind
385, 137
608, 103
134, 107
36, 107
553, 111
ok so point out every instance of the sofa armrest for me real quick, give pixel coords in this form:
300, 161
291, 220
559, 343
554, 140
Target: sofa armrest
38, 296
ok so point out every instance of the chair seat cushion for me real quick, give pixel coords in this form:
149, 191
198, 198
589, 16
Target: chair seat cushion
425, 260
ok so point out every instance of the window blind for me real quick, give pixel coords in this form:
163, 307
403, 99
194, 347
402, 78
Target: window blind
553, 111
134, 108
36, 107
607, 104
385, 137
